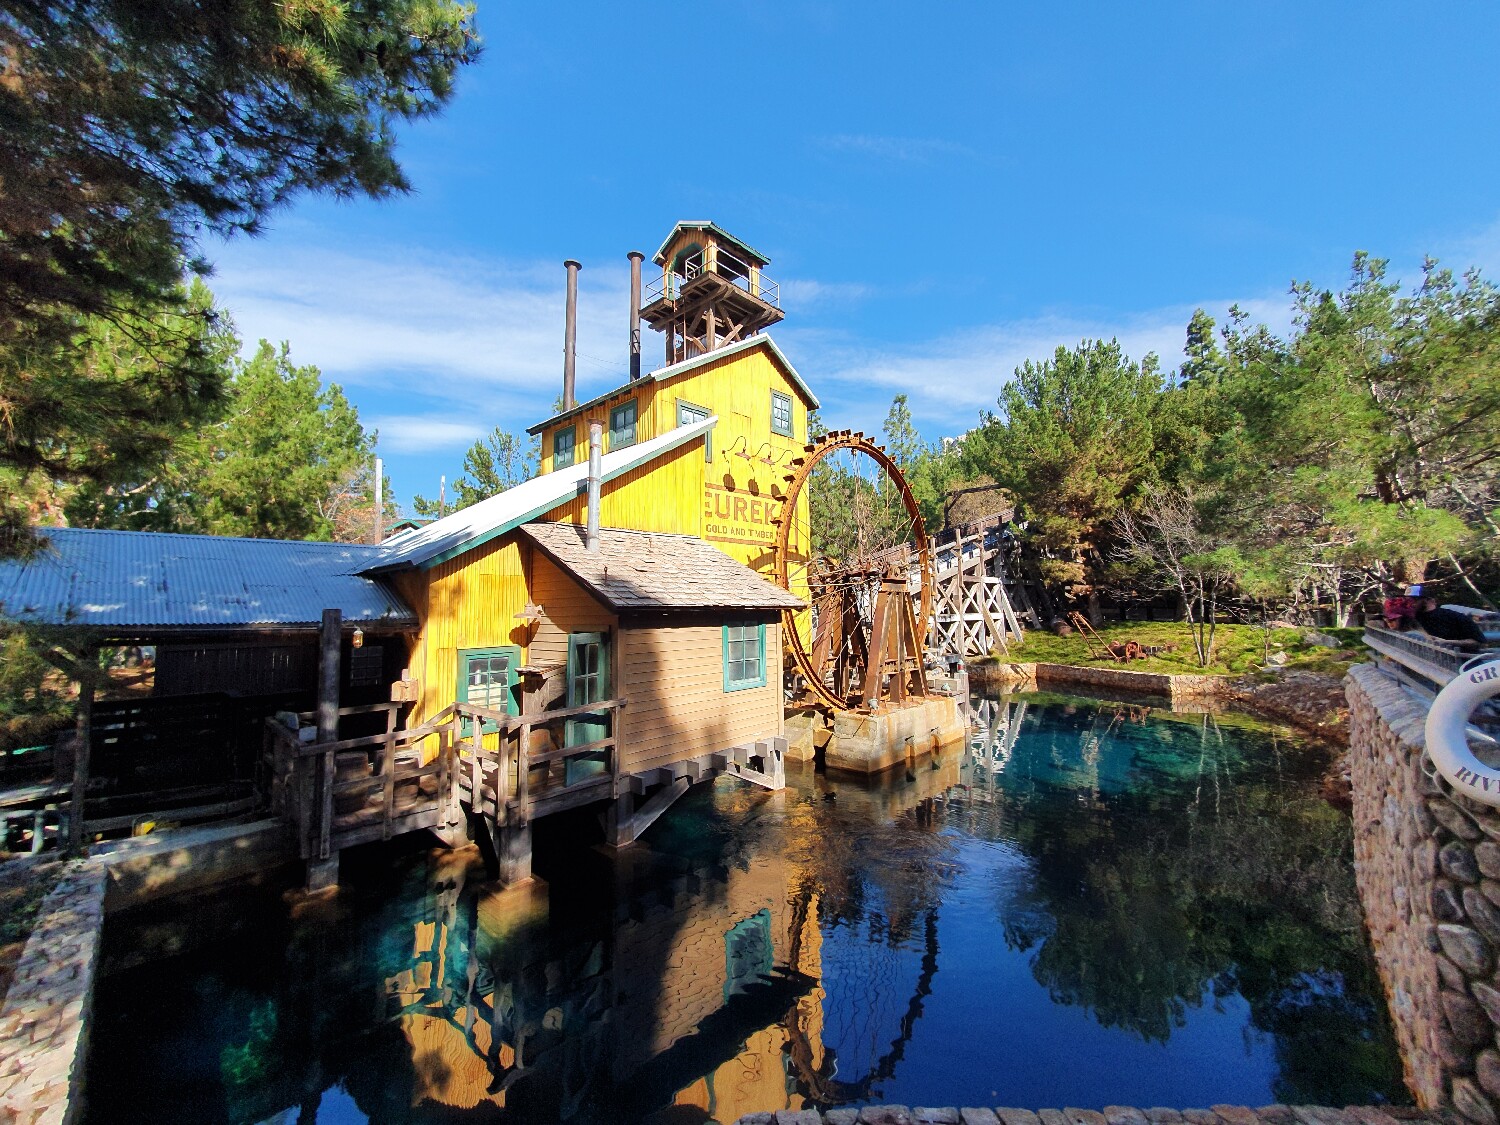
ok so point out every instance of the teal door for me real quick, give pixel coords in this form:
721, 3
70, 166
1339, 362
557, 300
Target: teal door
588, 682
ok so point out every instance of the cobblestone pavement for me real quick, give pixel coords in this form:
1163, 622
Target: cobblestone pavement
1111, 1115
44, 1020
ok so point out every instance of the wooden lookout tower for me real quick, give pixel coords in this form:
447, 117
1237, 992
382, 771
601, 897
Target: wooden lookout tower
712, 291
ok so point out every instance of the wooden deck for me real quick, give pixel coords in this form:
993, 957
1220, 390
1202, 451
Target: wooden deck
476, 771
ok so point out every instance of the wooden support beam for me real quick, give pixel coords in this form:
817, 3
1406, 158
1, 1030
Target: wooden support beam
83, 740
648, 813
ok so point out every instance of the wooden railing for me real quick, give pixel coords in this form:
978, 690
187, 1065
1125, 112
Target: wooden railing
354, 790
1429, 662
506, 771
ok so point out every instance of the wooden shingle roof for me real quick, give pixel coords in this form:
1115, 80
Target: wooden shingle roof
651, 571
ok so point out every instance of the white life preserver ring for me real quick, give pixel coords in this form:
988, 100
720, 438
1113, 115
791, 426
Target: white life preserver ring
1447, 740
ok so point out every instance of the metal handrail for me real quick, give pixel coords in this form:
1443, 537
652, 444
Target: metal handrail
670, 283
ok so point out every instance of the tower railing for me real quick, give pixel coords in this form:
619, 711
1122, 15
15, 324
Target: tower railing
726, 265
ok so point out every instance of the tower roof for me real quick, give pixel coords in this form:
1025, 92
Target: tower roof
719, 232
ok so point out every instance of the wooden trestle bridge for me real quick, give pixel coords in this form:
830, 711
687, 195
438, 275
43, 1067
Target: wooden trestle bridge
475, 772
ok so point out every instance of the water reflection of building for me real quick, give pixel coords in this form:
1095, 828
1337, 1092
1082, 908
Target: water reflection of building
691, 986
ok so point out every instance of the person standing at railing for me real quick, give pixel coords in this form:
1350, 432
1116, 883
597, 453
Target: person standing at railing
1447, 624
1400, 611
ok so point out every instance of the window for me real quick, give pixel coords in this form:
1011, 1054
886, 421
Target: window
744, 655
486, 676
687, 414
564, 446
781, 414
366, 665
622, 425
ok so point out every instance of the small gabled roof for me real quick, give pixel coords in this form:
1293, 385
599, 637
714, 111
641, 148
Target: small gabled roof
477, 524
676, 370
645, 571
660, 257
137, 583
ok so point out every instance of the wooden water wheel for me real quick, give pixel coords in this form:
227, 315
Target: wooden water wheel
850, 541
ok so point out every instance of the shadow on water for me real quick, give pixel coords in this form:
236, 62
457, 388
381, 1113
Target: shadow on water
1089, 903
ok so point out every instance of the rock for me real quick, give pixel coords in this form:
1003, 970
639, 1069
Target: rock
1236, 1114
1465, 948
1160, 1115
1487, 855
1483, 914
798, 1117
1470, 1101
1453, 818
1446, 905
1466, 1019
1450, 973
1017, 1116
1084, 1116
1123, 1115
1051, 1117
980, 1115
1200, 1117
1488, 997
889, 1115
841, 1117
1487, 1070
945, 1115
1457, 861
1454, 1058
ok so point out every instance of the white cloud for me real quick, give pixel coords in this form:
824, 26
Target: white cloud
402, 433
442, 327
909, 149
451, 346
951, 379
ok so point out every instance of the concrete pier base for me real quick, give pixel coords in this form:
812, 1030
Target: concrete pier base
322, 874
872, 742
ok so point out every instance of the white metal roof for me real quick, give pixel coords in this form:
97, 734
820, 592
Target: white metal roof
673, 370
136, 582
477, 524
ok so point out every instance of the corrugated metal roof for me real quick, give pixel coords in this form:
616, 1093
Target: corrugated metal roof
646, 570
144, 580
479, 523
673, 370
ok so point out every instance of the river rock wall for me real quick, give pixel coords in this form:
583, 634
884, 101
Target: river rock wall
1427, 861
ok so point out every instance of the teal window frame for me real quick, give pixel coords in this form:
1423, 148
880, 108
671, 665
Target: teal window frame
778, 398
512, 677
616, 429
690, 412
572, 432
757, 681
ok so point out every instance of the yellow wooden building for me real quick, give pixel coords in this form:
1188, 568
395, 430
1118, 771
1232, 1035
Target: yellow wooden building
670, 616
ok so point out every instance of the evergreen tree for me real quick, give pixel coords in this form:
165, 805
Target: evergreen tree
497, 462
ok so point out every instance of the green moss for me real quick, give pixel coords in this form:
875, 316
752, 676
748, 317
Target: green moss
1238, 649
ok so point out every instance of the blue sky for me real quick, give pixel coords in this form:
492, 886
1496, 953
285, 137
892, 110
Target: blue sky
944, 191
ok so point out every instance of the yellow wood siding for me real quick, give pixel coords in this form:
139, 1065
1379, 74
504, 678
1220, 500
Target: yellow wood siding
673, 677
566, 608
645, 426
467, 602
659, 496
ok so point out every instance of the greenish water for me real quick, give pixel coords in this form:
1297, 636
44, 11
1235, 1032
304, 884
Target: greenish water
1090, 904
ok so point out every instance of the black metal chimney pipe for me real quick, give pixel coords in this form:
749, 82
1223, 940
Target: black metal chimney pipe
636, 257
570, 335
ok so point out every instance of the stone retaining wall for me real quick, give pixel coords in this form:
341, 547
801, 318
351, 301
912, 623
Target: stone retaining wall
44, 1023
1178, 688
1427, 861
1111, 1115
